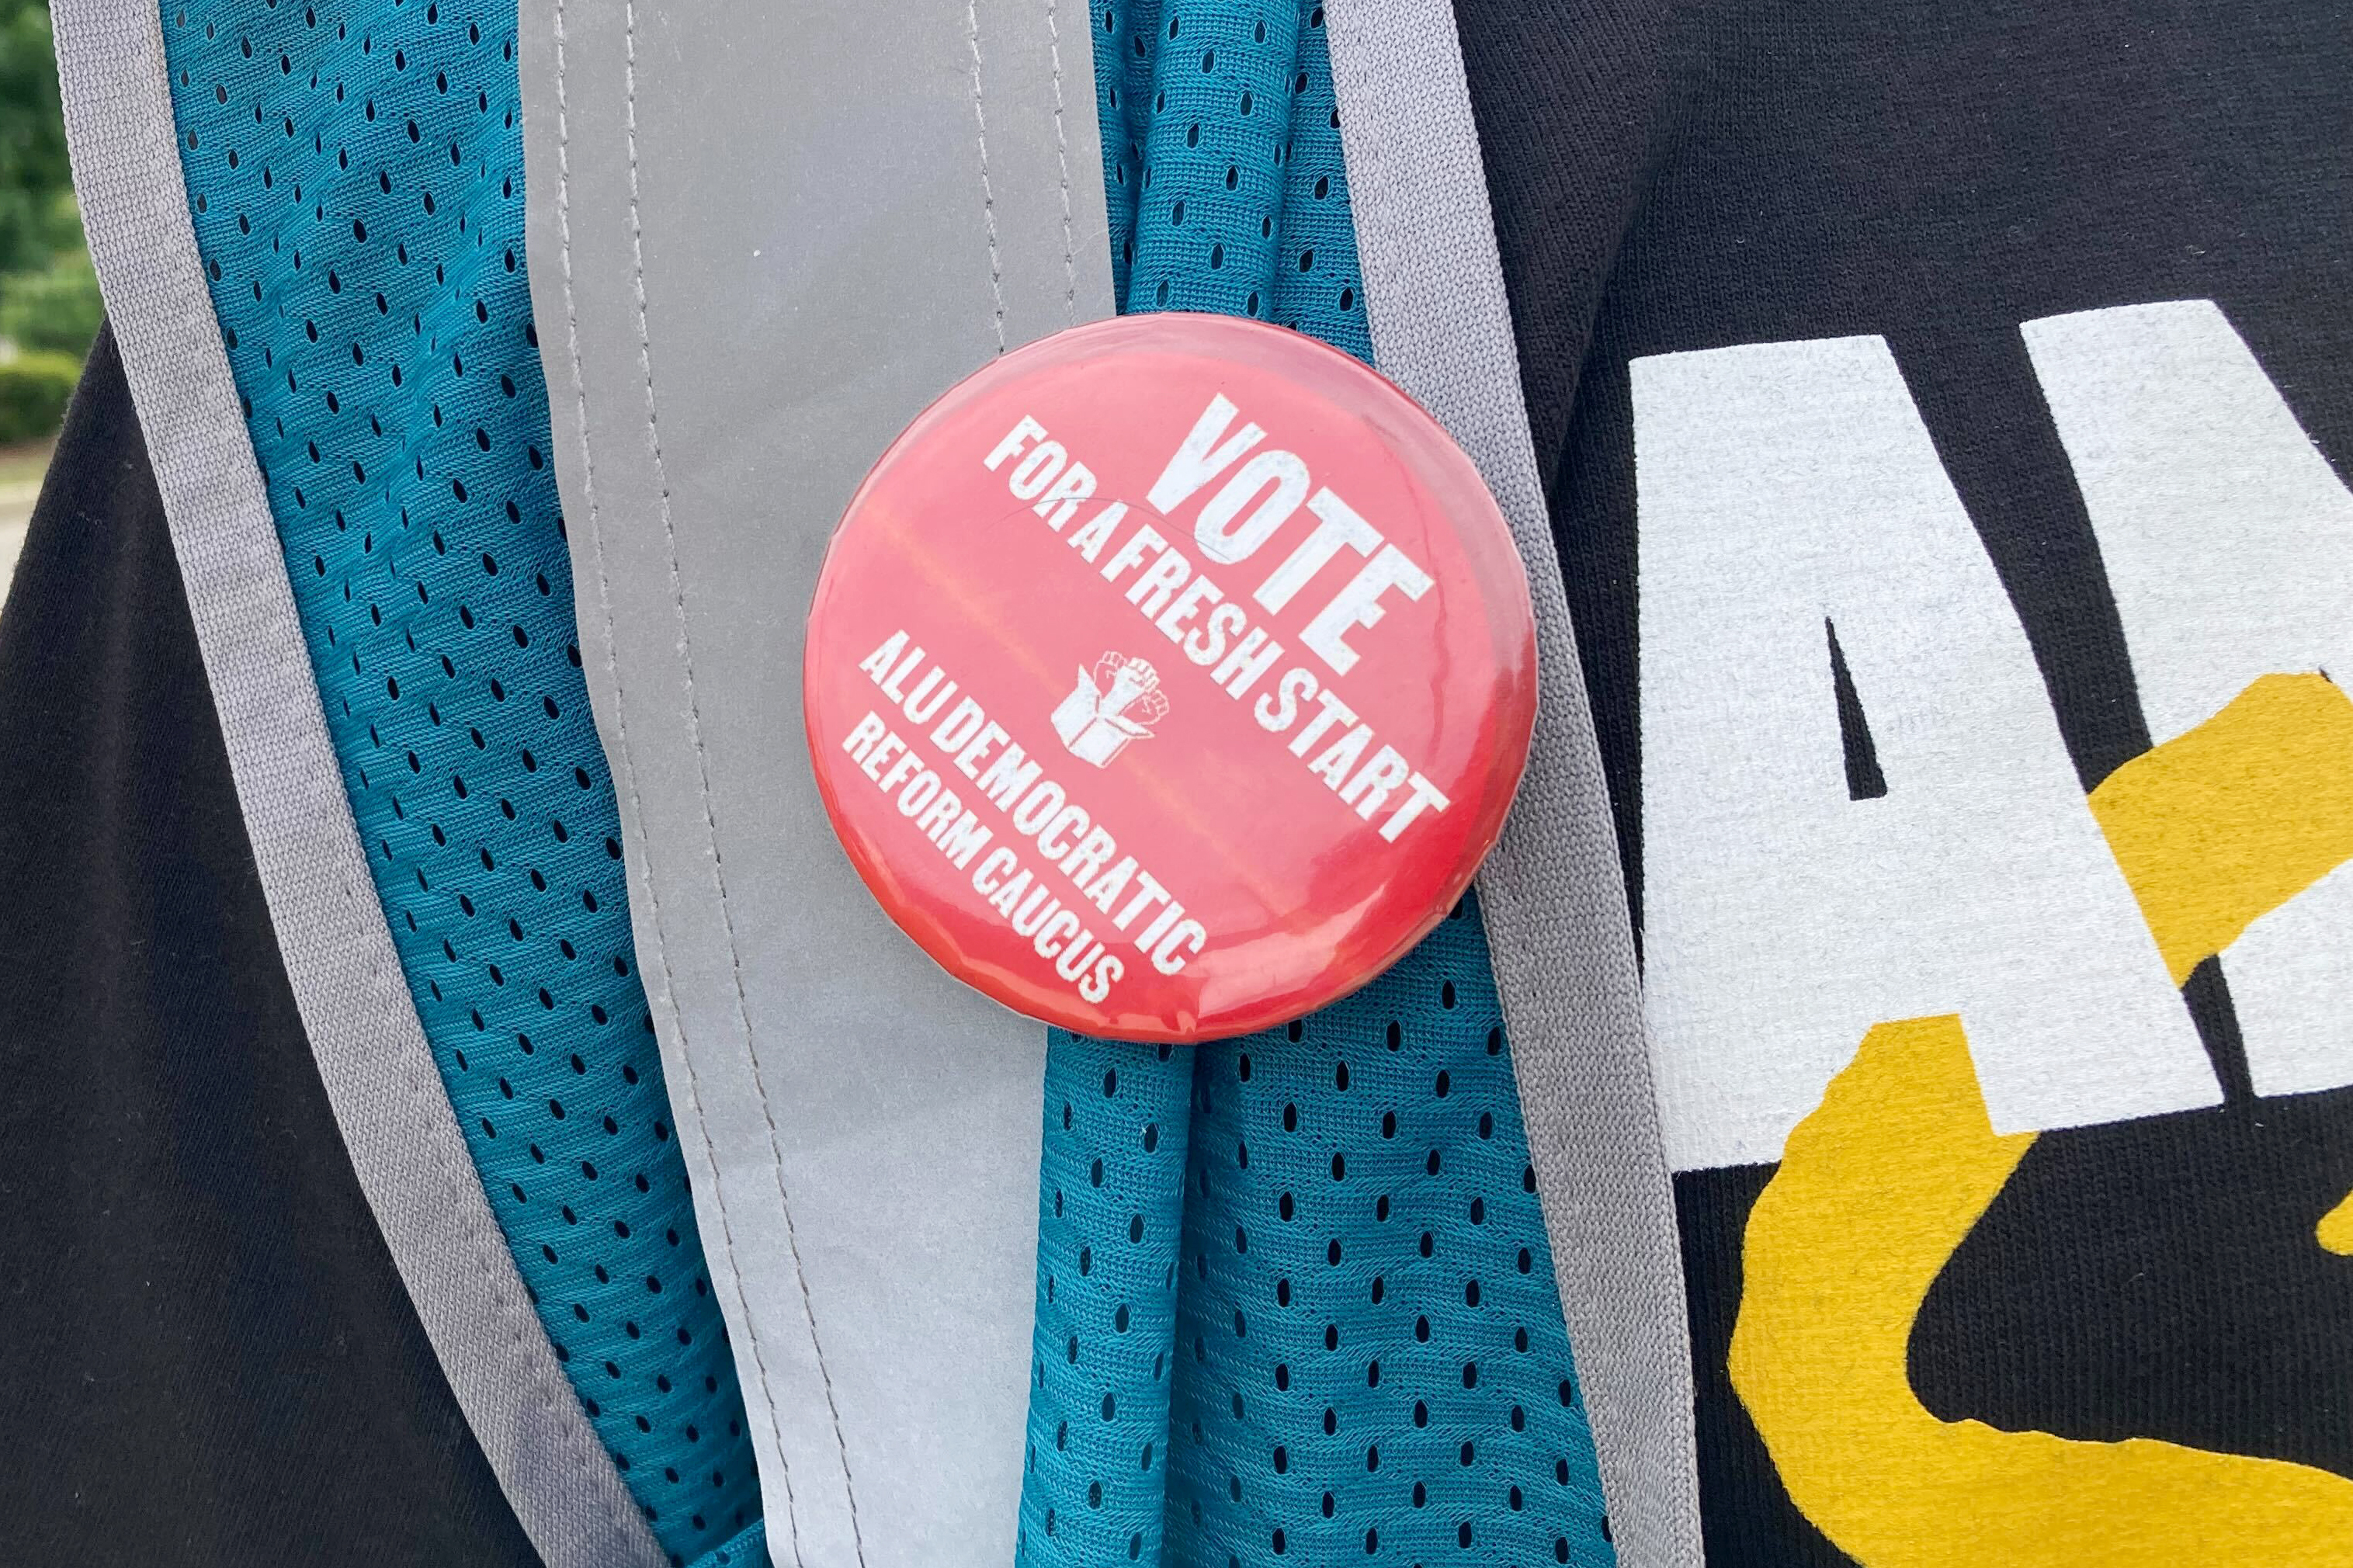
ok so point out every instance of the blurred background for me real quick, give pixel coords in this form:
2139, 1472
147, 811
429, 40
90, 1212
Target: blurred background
49, 295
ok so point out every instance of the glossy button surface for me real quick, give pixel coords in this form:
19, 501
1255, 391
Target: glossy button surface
1169, 678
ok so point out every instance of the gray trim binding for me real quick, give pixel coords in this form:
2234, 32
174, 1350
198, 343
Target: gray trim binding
354, 999
1554, 891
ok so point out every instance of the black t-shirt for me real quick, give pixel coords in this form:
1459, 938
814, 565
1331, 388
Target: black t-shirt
1942, 410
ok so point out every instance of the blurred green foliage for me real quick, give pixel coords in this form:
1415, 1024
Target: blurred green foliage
49, 308
37, 212
57, 311
34, 388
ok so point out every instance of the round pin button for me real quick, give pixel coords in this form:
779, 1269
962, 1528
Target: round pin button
1169, 678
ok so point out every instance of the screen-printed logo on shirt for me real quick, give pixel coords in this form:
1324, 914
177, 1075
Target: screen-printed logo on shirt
1897, 941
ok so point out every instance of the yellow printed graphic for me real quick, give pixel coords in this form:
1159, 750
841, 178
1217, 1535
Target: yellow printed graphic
1876, 1189
1881, 1184
2235, 817
2335, 1231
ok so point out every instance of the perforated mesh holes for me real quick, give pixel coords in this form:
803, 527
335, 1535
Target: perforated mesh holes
356, 177
748, 1550
1314, 1320
1372, 1360
1110, 1211
1221, 146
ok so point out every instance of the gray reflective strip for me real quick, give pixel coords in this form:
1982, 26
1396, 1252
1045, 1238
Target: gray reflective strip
354, 1003
1553, 891
762, 239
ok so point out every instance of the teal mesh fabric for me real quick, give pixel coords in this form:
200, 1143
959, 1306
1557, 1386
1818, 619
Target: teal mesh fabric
1110, 1211
1362, 1356
1221, 152
1374, 1364
747, 1550
355, 169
